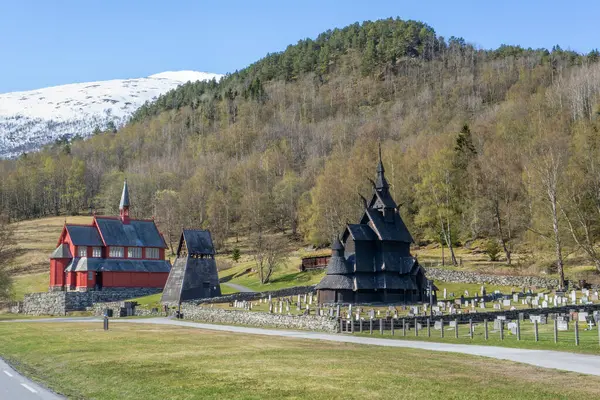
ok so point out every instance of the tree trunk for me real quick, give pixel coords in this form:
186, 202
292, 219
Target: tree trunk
558, 244
448, 238
507, 252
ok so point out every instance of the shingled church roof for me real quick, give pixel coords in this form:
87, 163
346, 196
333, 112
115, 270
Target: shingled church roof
197, 241
139, 233
194, 273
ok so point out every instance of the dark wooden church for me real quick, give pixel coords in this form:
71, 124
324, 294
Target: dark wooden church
372, 262
194, 272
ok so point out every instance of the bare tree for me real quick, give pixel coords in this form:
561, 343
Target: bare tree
166, 212
268, 254
581, 205
546, 173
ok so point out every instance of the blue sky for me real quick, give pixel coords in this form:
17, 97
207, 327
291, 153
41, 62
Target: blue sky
46, 43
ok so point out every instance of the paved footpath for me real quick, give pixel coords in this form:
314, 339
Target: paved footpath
237, 287
582, 363
15, 386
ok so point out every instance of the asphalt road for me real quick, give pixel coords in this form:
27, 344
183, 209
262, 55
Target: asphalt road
581, 363
14, 386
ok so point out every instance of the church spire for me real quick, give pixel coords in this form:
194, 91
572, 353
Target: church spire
381, 183
124, 204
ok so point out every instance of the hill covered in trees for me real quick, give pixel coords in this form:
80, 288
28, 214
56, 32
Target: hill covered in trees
500, 145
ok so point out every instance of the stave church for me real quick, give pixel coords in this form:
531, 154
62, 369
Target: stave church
371, 262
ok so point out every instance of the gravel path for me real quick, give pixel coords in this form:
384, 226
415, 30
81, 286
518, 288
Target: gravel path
237, 287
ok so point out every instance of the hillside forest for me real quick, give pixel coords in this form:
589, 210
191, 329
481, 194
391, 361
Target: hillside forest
495, 145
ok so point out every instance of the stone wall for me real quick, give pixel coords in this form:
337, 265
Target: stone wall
59, 303
98, 310
261, 319
249, 296
51, 303
446, 275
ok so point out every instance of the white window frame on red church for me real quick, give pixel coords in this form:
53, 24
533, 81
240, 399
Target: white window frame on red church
116, 252
97, 252
82, 251
152, 253
134, 252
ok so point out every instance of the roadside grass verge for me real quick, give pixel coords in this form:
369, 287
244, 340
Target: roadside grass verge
157, 362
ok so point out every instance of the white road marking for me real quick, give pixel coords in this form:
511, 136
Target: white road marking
8, 373
32, 390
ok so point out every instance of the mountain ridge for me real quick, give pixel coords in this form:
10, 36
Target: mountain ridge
33, 118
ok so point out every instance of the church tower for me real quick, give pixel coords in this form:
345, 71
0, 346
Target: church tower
124, 204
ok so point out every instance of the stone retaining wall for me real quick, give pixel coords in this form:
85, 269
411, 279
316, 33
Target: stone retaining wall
249, 296
51, 303
59, 303
446, 275
98, 310
260, 319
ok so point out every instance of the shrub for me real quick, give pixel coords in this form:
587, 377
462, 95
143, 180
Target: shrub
236, 254
492, 250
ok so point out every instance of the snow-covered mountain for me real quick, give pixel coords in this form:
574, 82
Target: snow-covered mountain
30, 119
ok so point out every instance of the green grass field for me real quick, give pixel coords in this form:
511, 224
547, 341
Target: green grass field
153, 362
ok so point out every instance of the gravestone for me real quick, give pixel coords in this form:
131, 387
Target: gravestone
497, 306
582, 316
445, 294
544, 304
541, 319
482, 305
506, 303
515, 298
562, 325
497, 324
437, 325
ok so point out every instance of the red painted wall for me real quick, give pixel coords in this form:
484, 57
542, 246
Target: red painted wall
134, 279
57, 271
83, 281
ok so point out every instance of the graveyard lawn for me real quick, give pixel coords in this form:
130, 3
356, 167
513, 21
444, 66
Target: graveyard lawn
589, 340
80, 360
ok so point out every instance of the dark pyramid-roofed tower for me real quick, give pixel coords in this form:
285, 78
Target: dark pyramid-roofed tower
124, 204
194, 272
372, 262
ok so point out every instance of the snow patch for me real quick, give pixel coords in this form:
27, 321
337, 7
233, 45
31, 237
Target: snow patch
31, 119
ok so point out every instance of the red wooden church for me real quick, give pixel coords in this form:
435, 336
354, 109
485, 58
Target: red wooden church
112, 252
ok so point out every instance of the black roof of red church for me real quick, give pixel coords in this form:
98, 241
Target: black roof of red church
138, 233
